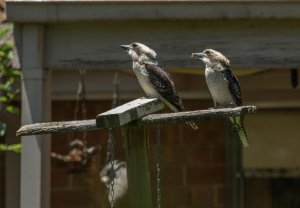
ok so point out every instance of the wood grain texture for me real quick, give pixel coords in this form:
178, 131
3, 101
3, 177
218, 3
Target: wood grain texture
36, 107
62, 11
196, 115
57, 127
88, 125
247, 43
128, 112
139, 186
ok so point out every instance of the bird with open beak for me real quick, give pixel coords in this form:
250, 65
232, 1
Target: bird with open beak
223, 86
153, 79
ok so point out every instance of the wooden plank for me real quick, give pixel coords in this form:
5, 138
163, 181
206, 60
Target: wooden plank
257, 43
87, 125
36, 107
234, 197
57, 127
197, 115
128, 112
139, 186
62, 11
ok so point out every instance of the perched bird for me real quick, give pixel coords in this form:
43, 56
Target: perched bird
153, 79
118, 174
223, 86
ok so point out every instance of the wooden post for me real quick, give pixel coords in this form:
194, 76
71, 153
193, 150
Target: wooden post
35, 157
233, 168
139, 186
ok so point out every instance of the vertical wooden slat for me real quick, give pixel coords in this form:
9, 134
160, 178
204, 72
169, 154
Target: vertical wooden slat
233, 169
139, 186
35, 157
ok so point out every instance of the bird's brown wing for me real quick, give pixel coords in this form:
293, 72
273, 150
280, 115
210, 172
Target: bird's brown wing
233, 86
164, 85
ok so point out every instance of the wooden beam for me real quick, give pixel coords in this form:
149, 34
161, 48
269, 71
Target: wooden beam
62, 11
87, 125
36, 107
84, 49
57, 127
139, 186
128, 112
197, 115
234, 197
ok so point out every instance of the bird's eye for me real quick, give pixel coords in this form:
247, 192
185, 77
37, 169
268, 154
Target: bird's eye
134, 45
207, 52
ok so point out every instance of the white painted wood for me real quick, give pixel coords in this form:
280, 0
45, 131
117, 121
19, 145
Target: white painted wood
61, 11
248, 44
128, 112
35, 157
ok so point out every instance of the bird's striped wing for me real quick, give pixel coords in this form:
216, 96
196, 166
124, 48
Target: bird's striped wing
233, 86
164, 85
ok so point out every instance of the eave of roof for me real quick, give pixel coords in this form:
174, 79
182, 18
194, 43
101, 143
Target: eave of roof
49, 11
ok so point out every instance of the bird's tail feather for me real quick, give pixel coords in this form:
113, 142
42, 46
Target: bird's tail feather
192, 124
243, 137
239, 128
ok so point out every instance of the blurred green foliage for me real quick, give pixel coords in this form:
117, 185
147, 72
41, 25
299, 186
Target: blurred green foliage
13, 147
9, 78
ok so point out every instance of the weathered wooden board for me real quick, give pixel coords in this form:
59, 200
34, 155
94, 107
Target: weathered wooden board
61, 11
57, 127
87, 125
139, 185
128, 112
197, 115
247, 43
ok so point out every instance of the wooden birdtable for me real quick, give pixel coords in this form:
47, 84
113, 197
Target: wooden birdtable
134, 116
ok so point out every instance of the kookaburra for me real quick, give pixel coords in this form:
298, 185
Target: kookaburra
223, 86
153, 79
118, 174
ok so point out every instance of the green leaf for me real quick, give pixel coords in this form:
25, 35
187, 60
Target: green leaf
10, 95
2, 128
12, 109
17, 148
16, 72
3, 99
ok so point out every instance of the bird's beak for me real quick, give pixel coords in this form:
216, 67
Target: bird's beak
126, 47
198, 55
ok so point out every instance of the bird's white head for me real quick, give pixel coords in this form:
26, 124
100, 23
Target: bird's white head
140, 53
212, 58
